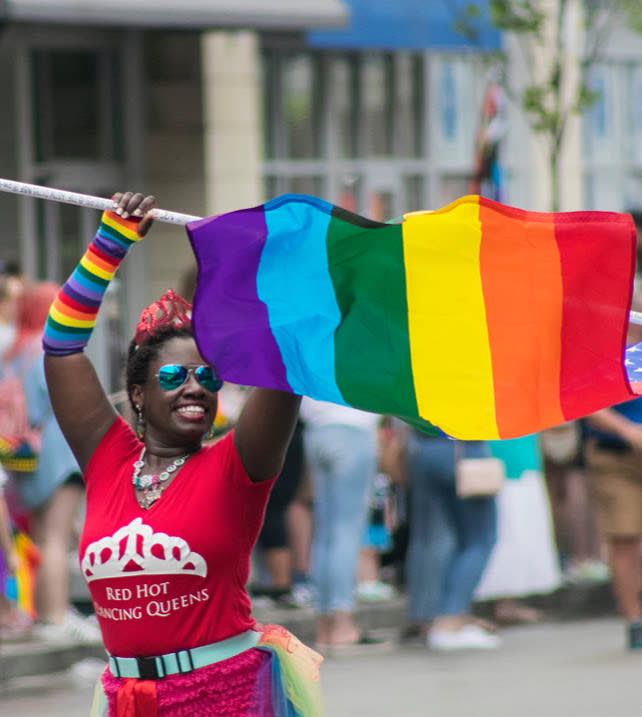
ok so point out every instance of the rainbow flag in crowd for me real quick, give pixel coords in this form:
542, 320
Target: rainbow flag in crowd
479, 320
21, 587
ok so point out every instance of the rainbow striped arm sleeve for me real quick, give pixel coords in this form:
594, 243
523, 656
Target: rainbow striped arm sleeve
73, 313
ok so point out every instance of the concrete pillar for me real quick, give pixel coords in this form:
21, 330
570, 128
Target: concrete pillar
232, 116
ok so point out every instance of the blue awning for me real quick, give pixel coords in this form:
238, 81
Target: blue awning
408, 24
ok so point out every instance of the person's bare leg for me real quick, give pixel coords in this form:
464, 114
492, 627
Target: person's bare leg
556, 487
323, 624
343, 629
298, 517
626, 574
584, 541
509, 610
368, 565
278, 563
449, 623
52, 530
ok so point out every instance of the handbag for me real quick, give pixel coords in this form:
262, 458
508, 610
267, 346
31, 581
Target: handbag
561, 444
478, 477
19, 441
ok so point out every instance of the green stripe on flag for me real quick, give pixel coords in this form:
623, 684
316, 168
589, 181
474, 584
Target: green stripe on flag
372, 351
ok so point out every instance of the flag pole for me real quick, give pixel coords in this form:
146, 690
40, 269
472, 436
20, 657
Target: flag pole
84, 200
162, 215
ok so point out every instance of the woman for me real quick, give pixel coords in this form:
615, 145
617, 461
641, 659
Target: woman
524, 560
340, 446
170, 523
451, 539
50, 496
273, 540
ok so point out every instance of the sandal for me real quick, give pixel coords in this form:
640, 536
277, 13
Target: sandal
364, 645
518, 615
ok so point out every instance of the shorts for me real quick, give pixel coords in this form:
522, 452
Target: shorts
377, 537
616, 486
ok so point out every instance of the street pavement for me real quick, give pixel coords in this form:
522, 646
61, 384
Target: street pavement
555, 669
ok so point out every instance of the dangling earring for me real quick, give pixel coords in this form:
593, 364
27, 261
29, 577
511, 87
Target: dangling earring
140, 423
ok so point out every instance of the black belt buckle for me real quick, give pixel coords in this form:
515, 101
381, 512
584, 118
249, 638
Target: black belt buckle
147, 669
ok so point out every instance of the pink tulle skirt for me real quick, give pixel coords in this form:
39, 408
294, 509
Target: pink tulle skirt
278, 678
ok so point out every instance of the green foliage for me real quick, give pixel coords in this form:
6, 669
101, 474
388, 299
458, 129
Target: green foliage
586, 98
632, 10
465, 20
534, 104
520, 16
544, 100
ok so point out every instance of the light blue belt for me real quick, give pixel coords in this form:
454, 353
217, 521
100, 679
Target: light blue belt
182, 661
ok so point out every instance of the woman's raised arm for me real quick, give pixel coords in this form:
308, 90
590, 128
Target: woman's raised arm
83, 410
264, 430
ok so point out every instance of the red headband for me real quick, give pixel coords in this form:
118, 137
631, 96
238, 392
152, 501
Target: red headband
170, 310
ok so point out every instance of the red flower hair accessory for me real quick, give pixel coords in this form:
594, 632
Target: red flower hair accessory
170, 310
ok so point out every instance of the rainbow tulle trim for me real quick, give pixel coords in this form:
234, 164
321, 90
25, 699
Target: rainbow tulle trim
294, 679
283, 682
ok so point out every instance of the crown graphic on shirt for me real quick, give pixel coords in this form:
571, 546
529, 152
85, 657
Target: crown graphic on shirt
136, 549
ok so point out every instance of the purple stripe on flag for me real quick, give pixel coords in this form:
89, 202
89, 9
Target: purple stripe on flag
228, 250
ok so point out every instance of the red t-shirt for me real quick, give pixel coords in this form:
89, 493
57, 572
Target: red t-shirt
172, 576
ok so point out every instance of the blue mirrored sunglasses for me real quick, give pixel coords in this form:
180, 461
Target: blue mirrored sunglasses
173, 375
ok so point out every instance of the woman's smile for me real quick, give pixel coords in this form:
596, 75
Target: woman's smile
191, 412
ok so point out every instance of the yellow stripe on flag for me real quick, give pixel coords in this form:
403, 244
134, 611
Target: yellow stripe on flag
449, 347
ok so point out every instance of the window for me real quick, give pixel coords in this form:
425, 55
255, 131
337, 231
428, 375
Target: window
301, 106
413, 190
292, 105
378, 104
305, 185
75, 113
409, 106
270, 85
344, 83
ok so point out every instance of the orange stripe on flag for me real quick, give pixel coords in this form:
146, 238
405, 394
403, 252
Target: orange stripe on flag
522, 286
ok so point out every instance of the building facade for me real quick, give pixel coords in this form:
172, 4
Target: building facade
214, 106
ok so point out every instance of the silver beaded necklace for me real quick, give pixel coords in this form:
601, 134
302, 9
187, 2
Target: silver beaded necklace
153, 485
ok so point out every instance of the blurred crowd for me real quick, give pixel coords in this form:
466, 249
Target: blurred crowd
41, 487
367, 509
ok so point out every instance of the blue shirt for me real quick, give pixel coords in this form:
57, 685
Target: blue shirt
629, 409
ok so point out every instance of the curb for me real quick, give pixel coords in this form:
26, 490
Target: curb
31, 657
573, 602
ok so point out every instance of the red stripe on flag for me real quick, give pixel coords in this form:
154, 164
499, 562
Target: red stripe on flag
597, 255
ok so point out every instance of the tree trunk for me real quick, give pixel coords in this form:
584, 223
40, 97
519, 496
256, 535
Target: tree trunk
555, 178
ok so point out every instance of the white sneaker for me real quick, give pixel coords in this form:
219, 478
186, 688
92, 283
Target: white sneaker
375, 591
303, 594
74, 628
470, 637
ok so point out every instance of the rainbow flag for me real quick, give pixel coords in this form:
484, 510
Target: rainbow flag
479, 320
25, 578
